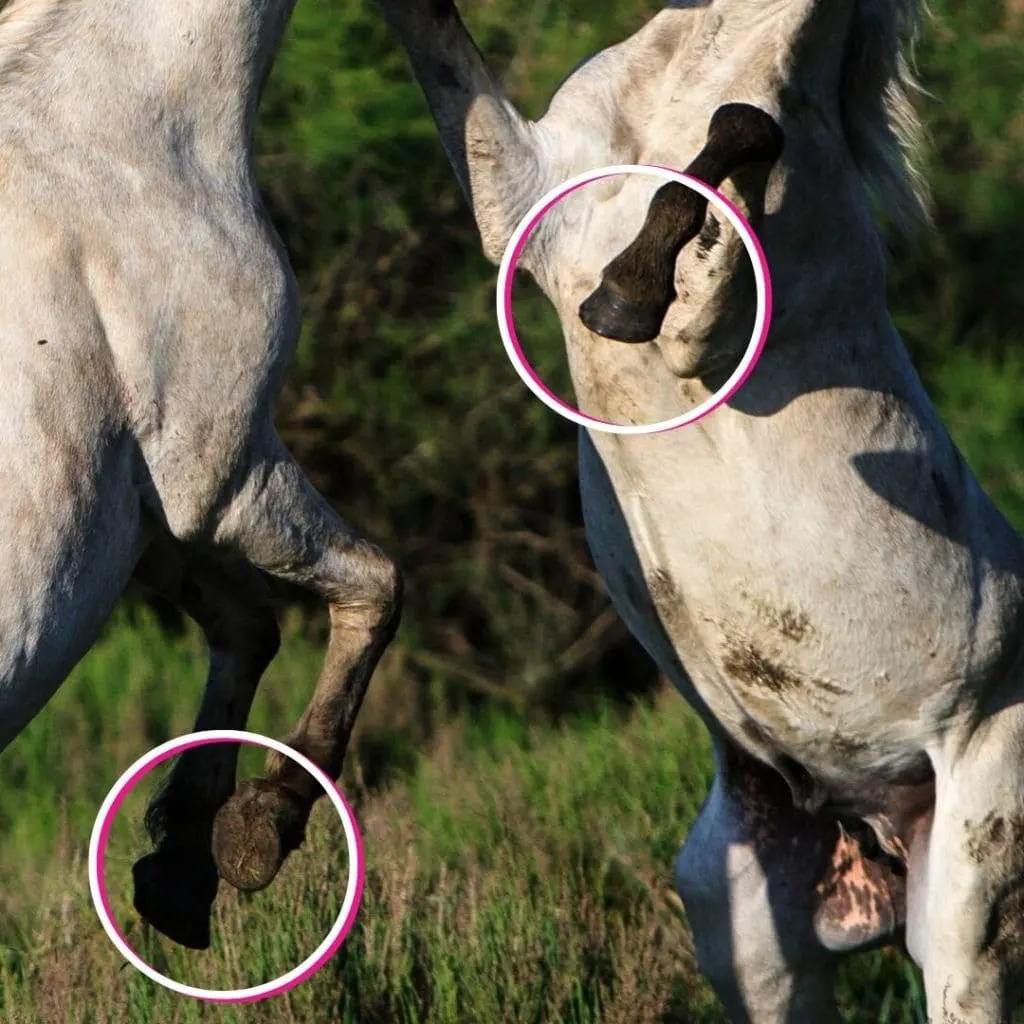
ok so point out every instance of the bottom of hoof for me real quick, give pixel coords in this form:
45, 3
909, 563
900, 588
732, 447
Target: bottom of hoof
254, 832
174, 892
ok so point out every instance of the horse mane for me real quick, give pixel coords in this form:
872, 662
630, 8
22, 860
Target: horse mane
885, 134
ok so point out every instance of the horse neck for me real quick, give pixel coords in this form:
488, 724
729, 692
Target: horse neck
121, 72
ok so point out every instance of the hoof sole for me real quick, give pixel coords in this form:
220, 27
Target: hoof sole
255, 831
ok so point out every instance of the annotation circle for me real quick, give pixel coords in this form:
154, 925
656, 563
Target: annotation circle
513, 253
101, 835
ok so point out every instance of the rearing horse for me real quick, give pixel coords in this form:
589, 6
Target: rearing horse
813, 565
148, 315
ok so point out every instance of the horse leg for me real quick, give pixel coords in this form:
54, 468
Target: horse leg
966, 893
774, 895
278, 521
176, 884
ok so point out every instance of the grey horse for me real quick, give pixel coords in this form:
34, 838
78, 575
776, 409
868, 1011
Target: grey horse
813, 565
148, 316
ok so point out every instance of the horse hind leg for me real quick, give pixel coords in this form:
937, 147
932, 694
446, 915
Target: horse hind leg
966, 898
176, 884
775, 896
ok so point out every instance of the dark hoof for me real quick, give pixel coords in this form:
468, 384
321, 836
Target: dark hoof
254, 832
174, 892
615, 317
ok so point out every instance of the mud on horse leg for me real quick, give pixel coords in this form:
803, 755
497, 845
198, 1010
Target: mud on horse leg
966, 928
265, 820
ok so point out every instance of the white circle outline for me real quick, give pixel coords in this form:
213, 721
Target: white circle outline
513, 251
353, 890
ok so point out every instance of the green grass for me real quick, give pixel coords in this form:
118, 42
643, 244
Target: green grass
515, 872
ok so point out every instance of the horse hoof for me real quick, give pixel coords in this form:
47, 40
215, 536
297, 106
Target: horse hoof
619, 319
174, 892
255, 831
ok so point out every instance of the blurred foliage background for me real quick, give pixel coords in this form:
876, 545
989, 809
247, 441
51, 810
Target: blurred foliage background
409, 416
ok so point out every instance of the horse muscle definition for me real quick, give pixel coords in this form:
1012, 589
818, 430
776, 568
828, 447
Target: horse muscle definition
813, 565
148, 315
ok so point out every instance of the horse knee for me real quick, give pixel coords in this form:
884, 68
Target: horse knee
388, 590
371, 592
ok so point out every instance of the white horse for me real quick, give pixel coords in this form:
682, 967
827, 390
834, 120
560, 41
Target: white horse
813, 565
148, 315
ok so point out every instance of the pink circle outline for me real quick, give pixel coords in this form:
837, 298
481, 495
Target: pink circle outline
521, 236
97, 863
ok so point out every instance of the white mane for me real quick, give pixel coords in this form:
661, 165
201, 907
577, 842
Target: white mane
884, 132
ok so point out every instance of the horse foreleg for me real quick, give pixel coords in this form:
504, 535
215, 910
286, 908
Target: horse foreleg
176, 884
279, 522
